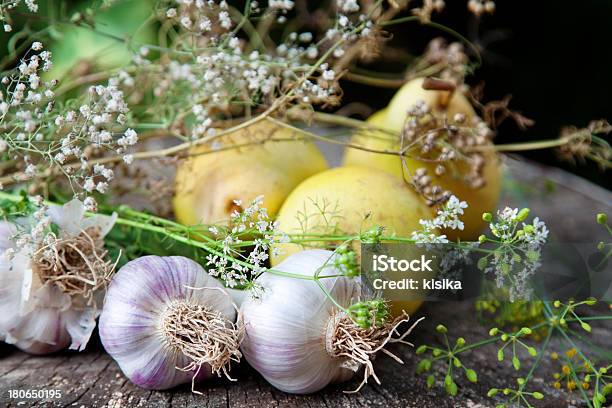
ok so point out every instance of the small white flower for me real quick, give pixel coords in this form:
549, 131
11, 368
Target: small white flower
329, 75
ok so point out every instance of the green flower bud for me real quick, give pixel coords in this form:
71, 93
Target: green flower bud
482, 263
371, 236
586, 326
441, 328
436, 352
487, 217
500, 355
516, 363
493, 331
529, 229
492, 392
421, 349
591, 301
520, 381
456, 362
471, 375
504, 337
538, 395
532, 351
525, 331
482, 239
430, 381
448, 380
556, 303
460, 342
523, 214
423, 366
602, 218
601, 246
450, 386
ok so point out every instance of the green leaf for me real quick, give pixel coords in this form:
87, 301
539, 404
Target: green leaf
471, 375
430, 381
516, 363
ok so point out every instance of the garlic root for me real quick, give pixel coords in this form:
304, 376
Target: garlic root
358, 346
204, 336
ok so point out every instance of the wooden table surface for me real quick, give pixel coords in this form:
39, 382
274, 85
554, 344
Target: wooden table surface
92, 379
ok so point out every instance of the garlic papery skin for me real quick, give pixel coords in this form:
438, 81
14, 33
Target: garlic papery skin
300, 340
166, 321
287, 326
52, 283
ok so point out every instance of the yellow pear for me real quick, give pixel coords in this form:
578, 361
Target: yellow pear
271, 162
350, 199
480, 200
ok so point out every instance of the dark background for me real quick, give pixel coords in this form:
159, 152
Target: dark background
553, 56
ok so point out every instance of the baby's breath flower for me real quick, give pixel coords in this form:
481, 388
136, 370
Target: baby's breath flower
248, 222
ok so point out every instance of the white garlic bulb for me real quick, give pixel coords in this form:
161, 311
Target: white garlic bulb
167, 322
51, 283
298, 339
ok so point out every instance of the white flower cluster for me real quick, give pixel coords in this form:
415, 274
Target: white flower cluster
447, 218
200, 16
7, 5
223, 77
518, 254
44, 135
233, 266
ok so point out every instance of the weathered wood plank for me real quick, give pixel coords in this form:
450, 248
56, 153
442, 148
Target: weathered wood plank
92, 379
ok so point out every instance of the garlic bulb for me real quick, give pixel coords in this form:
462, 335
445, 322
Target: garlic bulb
51, 283
167, 322
297, 338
